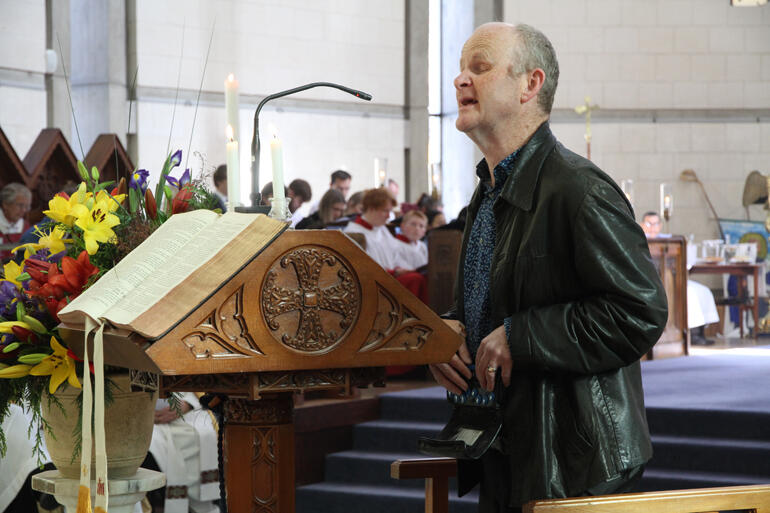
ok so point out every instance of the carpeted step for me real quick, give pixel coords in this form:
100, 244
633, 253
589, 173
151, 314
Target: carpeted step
424, 404
655, 479
392, 435
364, 467
709, 423
354, 498
749, 457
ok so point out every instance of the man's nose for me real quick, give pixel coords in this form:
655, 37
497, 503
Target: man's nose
462, 80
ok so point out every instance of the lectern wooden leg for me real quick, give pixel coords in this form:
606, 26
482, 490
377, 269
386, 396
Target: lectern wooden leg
259, 455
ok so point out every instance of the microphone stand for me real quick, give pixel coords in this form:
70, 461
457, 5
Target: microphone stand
255, 194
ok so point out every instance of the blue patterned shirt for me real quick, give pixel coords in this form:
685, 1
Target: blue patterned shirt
478, 256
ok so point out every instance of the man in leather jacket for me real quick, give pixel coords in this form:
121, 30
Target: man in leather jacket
556, 289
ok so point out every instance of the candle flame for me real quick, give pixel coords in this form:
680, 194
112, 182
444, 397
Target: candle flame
273, 130
231, 77
229, 133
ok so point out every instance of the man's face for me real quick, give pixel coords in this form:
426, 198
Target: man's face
414, 228
17, 209
651, 226
342, 185
487, 92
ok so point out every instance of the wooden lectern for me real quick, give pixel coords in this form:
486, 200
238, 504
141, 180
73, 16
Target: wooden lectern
310, 311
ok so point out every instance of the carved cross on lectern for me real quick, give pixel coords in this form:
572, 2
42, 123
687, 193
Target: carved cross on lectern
586, 109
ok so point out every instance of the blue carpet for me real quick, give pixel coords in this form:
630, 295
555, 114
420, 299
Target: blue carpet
709, 418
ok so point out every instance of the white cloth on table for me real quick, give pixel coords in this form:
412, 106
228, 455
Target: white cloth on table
186, 451
381, 245
701, 308
18, 461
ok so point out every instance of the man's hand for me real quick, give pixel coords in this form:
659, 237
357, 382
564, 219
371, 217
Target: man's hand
168, 414
454, 375
493, 354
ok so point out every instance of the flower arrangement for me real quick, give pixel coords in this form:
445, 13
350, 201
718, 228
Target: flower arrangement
83, 236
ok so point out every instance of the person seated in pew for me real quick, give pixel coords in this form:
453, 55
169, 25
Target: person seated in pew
330, 209
267, 194
413, 227
381, 245
701, 307
355, 206
185, 449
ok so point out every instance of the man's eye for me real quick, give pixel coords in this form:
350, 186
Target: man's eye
479, 67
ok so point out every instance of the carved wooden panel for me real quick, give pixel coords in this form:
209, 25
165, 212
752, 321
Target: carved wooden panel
223, 332
395, 328
11, 167
110, 158
310, 298
51, 165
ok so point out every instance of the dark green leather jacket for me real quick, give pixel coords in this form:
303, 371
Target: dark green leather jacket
573, 271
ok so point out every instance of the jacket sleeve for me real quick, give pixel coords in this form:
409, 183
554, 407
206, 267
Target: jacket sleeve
624, 308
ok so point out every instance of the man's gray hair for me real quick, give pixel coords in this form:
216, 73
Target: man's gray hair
536, 51
9, 192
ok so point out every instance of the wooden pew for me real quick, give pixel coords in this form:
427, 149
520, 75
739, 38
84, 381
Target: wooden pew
437, 471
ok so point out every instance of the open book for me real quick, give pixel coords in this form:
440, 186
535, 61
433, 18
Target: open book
177, 268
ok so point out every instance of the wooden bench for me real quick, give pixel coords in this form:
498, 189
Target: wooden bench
437, 471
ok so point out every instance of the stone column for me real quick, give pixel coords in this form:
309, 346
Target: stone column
416, 100
57, 31
99, 68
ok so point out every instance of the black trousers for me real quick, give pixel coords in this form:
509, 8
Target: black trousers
496, 484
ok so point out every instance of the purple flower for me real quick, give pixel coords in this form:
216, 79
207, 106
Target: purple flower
46, 256
181, 182
175, 159
139, 180
9, 296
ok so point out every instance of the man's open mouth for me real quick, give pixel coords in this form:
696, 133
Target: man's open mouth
467, 101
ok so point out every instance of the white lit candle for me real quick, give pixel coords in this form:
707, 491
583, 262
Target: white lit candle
233, 171
276, 152
231, 104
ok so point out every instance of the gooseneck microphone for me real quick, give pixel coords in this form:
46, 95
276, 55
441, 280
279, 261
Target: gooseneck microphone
255, 194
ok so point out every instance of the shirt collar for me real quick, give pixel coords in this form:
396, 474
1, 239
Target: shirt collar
502, 171
360, 220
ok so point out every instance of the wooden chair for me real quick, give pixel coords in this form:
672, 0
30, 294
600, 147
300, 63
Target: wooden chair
437, 471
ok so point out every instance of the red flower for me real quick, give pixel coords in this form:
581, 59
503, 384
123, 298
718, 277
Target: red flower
149, 205
181, 201
57, 287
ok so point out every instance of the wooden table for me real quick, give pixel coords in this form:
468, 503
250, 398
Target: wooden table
742, 271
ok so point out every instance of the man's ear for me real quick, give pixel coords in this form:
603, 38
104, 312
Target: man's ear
535, 81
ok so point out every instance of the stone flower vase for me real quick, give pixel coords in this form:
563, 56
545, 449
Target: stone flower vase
128, 422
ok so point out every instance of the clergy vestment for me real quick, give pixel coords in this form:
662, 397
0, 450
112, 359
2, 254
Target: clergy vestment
186, 451
18, 461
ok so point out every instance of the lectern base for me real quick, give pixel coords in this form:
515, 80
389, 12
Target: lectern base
124, 493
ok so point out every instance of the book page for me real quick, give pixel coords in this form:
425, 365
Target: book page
173, 252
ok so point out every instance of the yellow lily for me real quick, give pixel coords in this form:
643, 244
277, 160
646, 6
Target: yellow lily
54, 240
15, 371
60, 367
11, 271
60, 209
96, 224
112, 201
7, 326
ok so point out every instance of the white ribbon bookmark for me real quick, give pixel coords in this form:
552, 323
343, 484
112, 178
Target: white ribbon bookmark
100, 450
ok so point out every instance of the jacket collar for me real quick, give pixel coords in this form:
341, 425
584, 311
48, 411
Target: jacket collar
519, 189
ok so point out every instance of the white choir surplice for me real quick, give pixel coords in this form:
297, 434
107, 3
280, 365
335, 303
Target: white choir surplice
381, 245
186, 451
18, 461
412, 255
